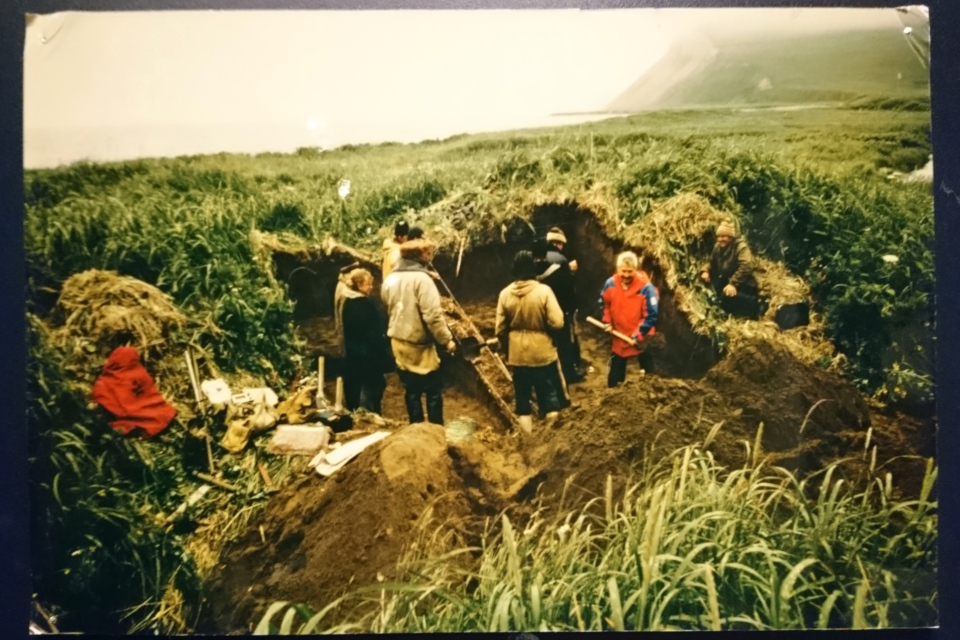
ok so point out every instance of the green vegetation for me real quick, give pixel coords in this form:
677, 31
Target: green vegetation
808, 186
788, 70
689, 546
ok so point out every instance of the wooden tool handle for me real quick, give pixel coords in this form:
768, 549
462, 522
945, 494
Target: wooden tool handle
614, 332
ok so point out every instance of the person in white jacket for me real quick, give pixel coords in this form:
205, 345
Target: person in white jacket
527, 310
416, 325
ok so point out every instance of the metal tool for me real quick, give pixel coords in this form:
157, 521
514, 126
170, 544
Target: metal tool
475, 342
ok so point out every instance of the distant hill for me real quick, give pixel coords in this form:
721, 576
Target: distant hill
699, 71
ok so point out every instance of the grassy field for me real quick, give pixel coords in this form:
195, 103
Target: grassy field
810, 188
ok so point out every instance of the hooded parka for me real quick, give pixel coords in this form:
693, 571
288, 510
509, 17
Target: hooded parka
526, 311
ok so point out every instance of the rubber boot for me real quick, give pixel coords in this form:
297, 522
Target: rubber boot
414, 407
435, 409
550, 420
526, 423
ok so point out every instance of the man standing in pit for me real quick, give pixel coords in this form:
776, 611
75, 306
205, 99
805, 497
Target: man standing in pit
630, 305
391, 247
730, 274
559, 276
526, 311
415, 326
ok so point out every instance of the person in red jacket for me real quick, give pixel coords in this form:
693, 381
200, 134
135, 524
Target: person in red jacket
630, 305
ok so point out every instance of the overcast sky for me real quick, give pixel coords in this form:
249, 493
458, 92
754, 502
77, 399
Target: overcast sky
331, 75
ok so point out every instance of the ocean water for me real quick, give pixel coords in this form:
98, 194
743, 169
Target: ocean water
51, 147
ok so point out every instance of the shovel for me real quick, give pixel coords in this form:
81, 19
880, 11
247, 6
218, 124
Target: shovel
475, 343
471, 346
615, 333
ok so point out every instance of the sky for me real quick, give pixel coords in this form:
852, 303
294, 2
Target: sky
118, 85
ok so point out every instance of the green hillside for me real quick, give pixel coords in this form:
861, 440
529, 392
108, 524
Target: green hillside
810, 189
797, 70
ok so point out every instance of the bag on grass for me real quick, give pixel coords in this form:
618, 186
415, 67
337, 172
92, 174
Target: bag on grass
127, 391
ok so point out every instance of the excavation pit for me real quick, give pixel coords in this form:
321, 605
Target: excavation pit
323, 537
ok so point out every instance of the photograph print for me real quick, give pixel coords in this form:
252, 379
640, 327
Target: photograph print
496, 320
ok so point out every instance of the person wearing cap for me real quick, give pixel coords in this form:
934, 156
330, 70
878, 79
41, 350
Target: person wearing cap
730, 274
630, 305
391, 247
526, 311
558, 274
415, 326
367, 355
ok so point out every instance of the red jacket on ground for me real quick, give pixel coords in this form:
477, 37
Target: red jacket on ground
126, 390
632, 311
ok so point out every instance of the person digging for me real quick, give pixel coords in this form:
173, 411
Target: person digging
730, 273
630, 306
415, 326
526, 311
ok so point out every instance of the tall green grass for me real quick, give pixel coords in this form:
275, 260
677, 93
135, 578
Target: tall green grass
687, 546
95, 542
807, 186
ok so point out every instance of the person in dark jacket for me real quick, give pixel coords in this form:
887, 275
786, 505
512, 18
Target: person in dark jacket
416, 325
557, 272
630, 305
526, 311
367, 351
730, 274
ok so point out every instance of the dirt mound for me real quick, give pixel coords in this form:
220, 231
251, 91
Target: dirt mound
761, 382
324, 536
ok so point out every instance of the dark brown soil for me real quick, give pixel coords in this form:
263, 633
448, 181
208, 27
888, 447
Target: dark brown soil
323, 536
327, 536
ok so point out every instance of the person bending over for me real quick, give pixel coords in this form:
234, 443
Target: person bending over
730, 274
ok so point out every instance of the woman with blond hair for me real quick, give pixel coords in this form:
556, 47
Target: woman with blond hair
366, 350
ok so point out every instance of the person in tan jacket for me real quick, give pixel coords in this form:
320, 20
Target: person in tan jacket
527, 310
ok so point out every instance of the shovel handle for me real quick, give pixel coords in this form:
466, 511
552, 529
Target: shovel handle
613, 332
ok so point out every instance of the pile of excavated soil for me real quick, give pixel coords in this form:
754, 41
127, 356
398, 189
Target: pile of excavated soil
322, 536
610, 431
